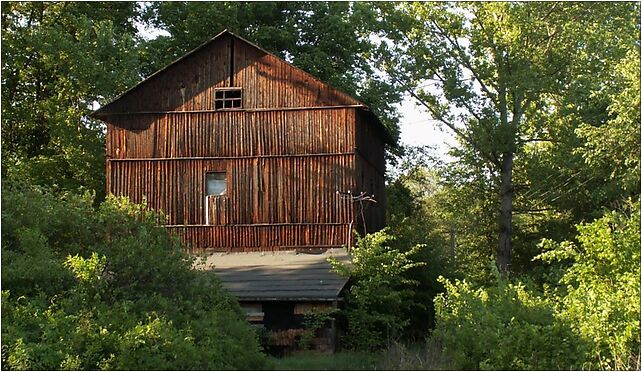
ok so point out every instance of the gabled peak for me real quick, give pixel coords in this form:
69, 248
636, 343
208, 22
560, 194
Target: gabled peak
207, 67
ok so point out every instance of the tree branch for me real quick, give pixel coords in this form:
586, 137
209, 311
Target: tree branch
489, 157
461, 56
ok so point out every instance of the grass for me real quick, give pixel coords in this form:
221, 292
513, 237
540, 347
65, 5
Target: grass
397, 357
341, 361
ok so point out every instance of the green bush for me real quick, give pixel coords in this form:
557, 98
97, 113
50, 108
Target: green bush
380, 294
591, 320
503, 327
109, 289
600, 290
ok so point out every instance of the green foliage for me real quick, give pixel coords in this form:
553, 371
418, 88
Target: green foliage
59, 58
601, 288
330, 40
590, 321
380, 293
503, 327
109, 289
415, 218
534, 92
313, 321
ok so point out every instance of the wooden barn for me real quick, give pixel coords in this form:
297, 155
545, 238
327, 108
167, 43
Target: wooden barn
255, 162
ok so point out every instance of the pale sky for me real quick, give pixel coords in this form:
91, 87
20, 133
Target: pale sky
417, 129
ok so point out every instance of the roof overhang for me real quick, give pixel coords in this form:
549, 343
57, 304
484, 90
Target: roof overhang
279, 276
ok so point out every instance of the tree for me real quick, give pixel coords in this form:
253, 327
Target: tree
88, 289
57, 60
491, 71
330, 40
600, 287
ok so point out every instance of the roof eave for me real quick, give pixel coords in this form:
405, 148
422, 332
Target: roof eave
98, 113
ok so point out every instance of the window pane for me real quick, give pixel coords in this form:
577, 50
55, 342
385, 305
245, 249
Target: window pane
227, 98
216, 183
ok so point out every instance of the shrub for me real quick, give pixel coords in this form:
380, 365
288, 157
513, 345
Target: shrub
600, 293
380, 292
109, 289
501, 327
590, 321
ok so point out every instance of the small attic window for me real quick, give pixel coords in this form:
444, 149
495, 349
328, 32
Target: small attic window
228, 98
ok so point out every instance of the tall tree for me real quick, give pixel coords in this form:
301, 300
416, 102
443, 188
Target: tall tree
330, 40
57, 60
491, 71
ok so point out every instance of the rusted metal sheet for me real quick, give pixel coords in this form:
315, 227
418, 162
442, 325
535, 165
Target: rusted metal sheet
280, 276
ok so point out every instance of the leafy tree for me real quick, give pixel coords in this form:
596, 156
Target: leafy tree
492, 71
109, 289
330, 40
414, 218
590, 162
57, 60
587, 317
600, 288
380, 294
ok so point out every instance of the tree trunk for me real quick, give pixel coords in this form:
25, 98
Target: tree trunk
506, 218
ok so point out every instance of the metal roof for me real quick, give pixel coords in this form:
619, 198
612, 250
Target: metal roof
279, 276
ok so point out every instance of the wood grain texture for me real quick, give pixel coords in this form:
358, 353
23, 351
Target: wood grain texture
295, 145
267, 80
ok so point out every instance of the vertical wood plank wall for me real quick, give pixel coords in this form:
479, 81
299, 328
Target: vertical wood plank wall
284, 166
268, 82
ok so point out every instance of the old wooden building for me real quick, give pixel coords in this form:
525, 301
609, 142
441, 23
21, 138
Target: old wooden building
247, 153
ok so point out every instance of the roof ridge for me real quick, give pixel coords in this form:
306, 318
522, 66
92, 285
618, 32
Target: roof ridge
203, 45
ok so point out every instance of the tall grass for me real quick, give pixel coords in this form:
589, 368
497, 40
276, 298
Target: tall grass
420, 356
341, 361
397, 357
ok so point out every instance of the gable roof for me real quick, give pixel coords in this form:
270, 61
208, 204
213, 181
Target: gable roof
103, 110
113, 107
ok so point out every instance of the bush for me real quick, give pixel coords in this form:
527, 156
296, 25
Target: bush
380, 293
590, 321
109, 289
503, 327
600, 290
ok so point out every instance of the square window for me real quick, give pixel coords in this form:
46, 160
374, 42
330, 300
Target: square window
228, 98
216, 183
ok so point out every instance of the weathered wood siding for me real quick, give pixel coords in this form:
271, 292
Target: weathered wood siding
287, 153
231, 133
268, 82
297, 189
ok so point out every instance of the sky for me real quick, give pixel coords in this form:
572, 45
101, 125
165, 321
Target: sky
417, 129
